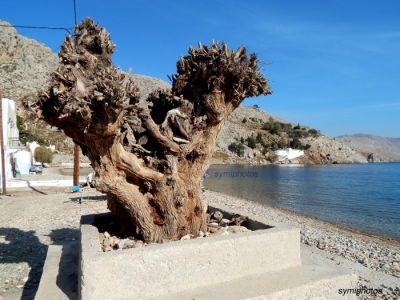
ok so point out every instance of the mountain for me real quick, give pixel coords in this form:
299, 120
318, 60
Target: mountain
249, 136
25, 64
382, 148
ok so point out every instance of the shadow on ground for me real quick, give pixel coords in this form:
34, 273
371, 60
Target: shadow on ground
18, 246
67, 277
78, 198
23, 246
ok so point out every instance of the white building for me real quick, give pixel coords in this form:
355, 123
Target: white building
15, 156
289, 153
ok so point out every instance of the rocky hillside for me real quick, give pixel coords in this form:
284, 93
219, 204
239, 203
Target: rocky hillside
25, 64
381, 148
251, 135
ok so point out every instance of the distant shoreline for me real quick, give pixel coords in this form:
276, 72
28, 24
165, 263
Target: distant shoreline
256, 164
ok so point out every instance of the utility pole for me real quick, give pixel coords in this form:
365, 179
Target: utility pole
76, 165
3, 166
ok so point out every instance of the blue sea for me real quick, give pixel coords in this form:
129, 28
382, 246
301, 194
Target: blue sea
364, 197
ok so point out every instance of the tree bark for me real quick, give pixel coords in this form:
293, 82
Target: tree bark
149, 156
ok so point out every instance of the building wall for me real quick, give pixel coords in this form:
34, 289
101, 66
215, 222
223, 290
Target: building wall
290, 153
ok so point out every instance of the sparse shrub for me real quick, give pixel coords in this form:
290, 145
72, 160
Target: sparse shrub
242, 140
296, 133
259, 138
274, 146
20, 123
236, 148
251, 142
296, 144
43, 155
272, 156
28, 136
313, 132
272, 127
282, 144
244, 120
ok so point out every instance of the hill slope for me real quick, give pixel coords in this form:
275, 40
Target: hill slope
259, 133
25, 64
382, 148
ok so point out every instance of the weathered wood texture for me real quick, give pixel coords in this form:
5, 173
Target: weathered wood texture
149, 156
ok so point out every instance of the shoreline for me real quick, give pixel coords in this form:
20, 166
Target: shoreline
368, 250
339, 227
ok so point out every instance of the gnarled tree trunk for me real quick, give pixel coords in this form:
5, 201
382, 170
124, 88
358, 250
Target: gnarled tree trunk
149, 156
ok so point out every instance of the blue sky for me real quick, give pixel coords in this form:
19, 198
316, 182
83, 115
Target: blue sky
332, 65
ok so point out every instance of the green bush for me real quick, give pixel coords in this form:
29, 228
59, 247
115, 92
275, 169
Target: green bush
28, 136
259, 138
313, 132
20, 123
296, 144
43, 155
272, 156
251, 142
236, 148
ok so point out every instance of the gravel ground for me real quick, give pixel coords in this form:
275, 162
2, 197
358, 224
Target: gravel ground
30, 221
376, 260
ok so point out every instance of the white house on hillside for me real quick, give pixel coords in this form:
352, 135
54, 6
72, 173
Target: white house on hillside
289, 153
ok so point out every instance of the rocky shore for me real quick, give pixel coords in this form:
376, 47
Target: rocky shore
372, 256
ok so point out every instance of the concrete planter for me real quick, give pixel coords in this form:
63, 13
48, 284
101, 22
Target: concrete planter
162, 270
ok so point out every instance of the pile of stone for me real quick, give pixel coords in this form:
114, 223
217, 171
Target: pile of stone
217, 225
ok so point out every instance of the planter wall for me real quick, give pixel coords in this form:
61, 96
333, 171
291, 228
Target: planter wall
156, 270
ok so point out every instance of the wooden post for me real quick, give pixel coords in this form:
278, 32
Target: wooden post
76, 165
3, 166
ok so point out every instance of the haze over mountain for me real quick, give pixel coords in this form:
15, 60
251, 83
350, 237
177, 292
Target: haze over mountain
382, 148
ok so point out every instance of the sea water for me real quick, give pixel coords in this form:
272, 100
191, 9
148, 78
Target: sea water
364, 197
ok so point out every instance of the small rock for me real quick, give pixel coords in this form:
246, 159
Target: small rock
396, 266
213, 224
114, 242
126, 244
236, 229
20, 286
25, 279
321, 245
212, 229
186, 237
201, 234
221, 231
106, 234
217, 215
138, 244
224, 222
238, 219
